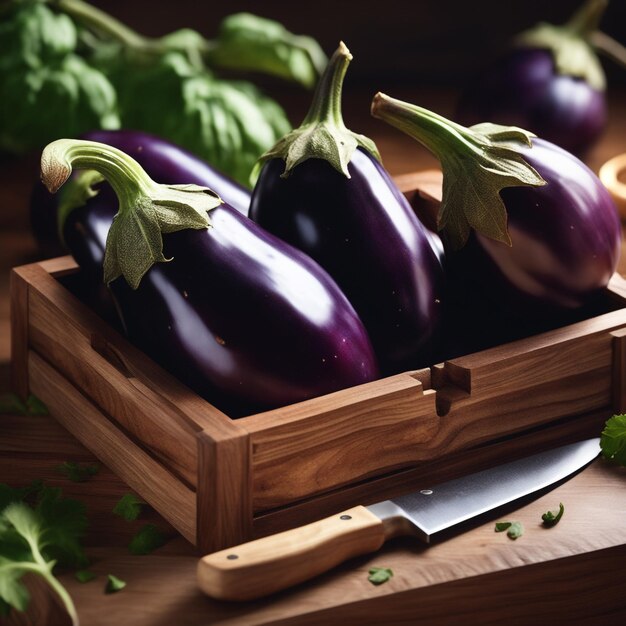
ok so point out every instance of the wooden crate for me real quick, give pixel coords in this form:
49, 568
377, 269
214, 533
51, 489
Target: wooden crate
221, 481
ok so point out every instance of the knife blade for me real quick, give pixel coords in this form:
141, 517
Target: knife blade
264, 566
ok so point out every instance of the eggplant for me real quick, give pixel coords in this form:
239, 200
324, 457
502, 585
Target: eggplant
244, 319
335, 201
521, 217
164, 162
549, 82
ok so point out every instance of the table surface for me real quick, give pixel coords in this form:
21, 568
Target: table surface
571, 572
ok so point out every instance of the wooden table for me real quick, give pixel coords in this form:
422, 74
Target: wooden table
571, 573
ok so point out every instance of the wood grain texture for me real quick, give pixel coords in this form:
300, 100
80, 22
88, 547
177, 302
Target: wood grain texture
572, 573
326, 442
263, 567
618, 386
141, 472
224, 496
19, 331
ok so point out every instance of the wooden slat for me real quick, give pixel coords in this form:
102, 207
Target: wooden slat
313, 446
59, 266
432, 472
19, 331
224, 498
157, 486
562, 352
618, 379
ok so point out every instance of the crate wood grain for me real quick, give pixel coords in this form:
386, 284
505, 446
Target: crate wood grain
221, 481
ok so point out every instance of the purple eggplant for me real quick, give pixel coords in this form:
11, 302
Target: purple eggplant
163, 161
523, 218
549, 82
336, 202
244, 319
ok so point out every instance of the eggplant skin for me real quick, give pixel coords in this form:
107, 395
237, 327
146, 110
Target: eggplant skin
164, 162
364, 233
522, 88
566, 238
245, 320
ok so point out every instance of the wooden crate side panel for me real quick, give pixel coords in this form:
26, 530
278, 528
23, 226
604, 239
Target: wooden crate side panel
475, 420
168, 495
619, 370
66, 347
224, 496
188, 407
431, 472
346, 443
561, 353
19, 331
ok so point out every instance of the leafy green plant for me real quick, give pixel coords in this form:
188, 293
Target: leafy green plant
613, 439
67, 67
129, 507
36, 540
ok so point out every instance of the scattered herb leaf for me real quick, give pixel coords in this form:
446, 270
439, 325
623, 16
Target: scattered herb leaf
114, 584
513, 529
36, 539
379, 575
516, 530
552, 519
84, 575
34, 406
11, 404
129, 507
146, 539
78, 472
613, 439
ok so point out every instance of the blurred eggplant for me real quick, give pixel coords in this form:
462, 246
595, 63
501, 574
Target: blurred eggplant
550, 82
335, 201
521, 217
244, 319
163, 161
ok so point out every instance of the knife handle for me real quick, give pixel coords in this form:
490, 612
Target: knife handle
264, 566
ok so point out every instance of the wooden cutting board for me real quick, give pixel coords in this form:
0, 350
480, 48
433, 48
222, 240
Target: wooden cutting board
572, 572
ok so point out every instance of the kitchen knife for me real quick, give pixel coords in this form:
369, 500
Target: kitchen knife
267, 565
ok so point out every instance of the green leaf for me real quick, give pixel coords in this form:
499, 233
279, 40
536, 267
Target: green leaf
129, 507
11, 404
613, 439
147, 539
12, 591
514, 529
63, 98
477, 163
551, 518
84, 576
78, 472
379, 575
249, 42
32, 34
12, 494
114, 584
227, 123
34, 406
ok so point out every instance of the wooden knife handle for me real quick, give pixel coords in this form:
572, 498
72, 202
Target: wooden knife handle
267, 565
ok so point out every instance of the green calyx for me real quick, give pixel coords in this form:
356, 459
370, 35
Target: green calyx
322, 134
477, 163
571, 44
146, 208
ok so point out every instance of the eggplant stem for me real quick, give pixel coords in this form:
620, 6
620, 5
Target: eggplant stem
608, 46
326, 105
587, 18
123, 173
